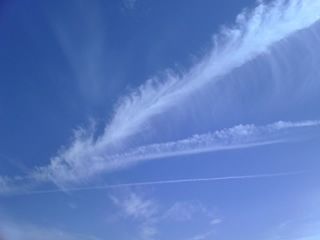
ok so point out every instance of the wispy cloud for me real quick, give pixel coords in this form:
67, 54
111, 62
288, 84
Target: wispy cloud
153, 219
129, 4
160, 182
183, 211
253, 34
203, 236
135, 206
186, 211
240, 136
11, 185
141, 209
14, 231
76, 168
301, 228
4, 185
84, 159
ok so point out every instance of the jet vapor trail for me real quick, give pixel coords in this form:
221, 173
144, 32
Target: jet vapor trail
237, 137
253, 34
163, 182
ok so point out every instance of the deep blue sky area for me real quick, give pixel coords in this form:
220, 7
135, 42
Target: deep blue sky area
217, 121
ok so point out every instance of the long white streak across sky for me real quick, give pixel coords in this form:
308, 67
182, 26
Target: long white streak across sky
253, 34
162, 182
240, 136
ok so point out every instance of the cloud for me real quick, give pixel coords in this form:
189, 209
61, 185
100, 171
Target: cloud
129, 4
5, 185
13, 185
313, 237
148, 231
84, 159
240, 136
202, 236
152, 219
303, 227
12, 231
183, 211
135, 206
252, 35
216, 221
71, 167
82, 47
140, 209
161, 182
186, 211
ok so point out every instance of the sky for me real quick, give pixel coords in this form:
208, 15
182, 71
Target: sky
155, 120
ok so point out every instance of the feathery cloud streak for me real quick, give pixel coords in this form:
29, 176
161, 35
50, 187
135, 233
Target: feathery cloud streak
11, 231
161, 182
252, 34
241, 136
72, 165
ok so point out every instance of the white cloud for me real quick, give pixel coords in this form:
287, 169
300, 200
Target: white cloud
185, 211
152, 219
135, 206
141, 209
288, 125
129, 4
148, 231
13, 185
216, 221
160, 182
203, 236
13, 231
303, 227
189, 211
252, 35
85, 159
240, 136
4, 184
313, 237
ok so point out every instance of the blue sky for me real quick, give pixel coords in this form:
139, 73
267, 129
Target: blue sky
144, 119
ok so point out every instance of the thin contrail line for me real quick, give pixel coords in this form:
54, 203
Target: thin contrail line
162, 182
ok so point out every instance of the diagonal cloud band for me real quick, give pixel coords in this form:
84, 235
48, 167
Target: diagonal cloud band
240, 136
163, 182
252, 35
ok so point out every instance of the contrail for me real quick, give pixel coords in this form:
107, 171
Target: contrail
237, 137
253, 34
162, 182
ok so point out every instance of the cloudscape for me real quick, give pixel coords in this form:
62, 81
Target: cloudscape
152, 120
